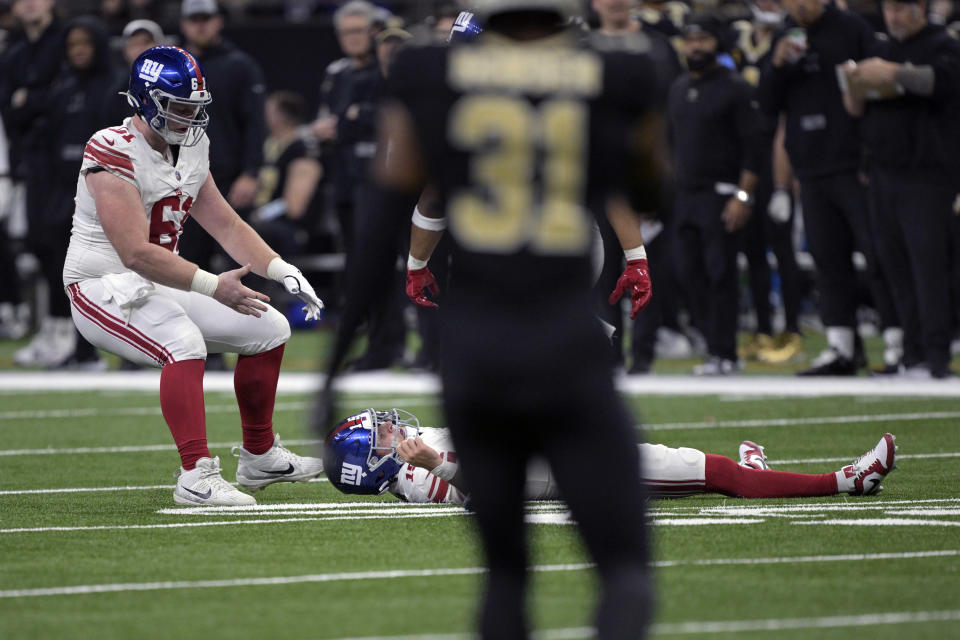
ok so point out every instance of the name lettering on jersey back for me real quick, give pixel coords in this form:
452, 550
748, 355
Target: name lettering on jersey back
351, 474
530, 71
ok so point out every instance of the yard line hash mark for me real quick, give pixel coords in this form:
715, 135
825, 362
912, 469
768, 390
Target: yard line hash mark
420, 573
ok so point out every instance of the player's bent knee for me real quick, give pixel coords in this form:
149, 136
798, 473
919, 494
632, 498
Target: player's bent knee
188, 345
274, 330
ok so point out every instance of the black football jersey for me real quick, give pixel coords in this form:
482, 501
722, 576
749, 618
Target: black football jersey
277, 158
517, 137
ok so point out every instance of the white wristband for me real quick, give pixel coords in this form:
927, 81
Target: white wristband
637, 253
445, 470
428, 224
278, 268
415, 263
204, 282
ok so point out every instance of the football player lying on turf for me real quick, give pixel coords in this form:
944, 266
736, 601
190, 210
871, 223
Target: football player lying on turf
377, 451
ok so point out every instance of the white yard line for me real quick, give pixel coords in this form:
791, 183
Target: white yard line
220, 523
140, 448
148, 487
419, 573
795, 422
905, 456
51, 414
385, 382
826, 622
707, 627
884, 522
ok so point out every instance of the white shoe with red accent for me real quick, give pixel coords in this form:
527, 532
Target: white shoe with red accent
869, 469
752, 456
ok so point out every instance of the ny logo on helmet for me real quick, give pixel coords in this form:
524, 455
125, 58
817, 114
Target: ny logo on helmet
150, 70
462, 22
351, 474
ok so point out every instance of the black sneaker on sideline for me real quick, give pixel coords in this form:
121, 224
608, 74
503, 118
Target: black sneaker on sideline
830, 362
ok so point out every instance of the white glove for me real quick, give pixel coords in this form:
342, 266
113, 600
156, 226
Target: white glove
779, 207
294, 282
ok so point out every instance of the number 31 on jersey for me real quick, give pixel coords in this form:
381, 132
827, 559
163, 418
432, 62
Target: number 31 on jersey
526, 172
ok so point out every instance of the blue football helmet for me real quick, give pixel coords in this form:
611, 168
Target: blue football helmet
465, 28
350, 457
169, 91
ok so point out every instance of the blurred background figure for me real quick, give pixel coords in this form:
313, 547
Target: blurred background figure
29, 68
75, 112
288, 177
771, 225
911, 136
137, 37
346, 122
716, 140
442, 19
823, 144
236, 123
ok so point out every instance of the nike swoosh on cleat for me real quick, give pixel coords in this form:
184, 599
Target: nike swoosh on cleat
281, 472
202, 496
873, 483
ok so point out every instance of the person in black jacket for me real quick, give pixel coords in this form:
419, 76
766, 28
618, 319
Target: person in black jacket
350, 95
28, 69
911, 140
75, 112
824, 147
714, 130
236, 122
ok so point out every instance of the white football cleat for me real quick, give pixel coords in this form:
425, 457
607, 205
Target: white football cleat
203, 485
752, 456
278, 464
872, 467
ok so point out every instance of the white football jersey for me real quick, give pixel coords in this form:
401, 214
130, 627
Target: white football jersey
418, 485
666, 472
166, 191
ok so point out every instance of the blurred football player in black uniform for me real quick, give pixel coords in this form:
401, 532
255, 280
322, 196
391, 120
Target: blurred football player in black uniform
619, 26
515, 131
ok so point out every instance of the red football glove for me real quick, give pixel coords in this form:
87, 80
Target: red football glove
636, 279
419, 281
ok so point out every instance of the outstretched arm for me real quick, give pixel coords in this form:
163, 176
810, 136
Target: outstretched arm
121, 214
636, 275
245, 245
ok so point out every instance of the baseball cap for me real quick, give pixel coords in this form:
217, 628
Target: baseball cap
149, 26
393, 33
198, 7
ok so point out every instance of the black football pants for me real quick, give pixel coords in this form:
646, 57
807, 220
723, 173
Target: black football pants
837, 221
914, 242
706, 261
504, 404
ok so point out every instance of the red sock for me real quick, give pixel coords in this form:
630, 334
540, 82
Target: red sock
181, 402
255, 382
729, 478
